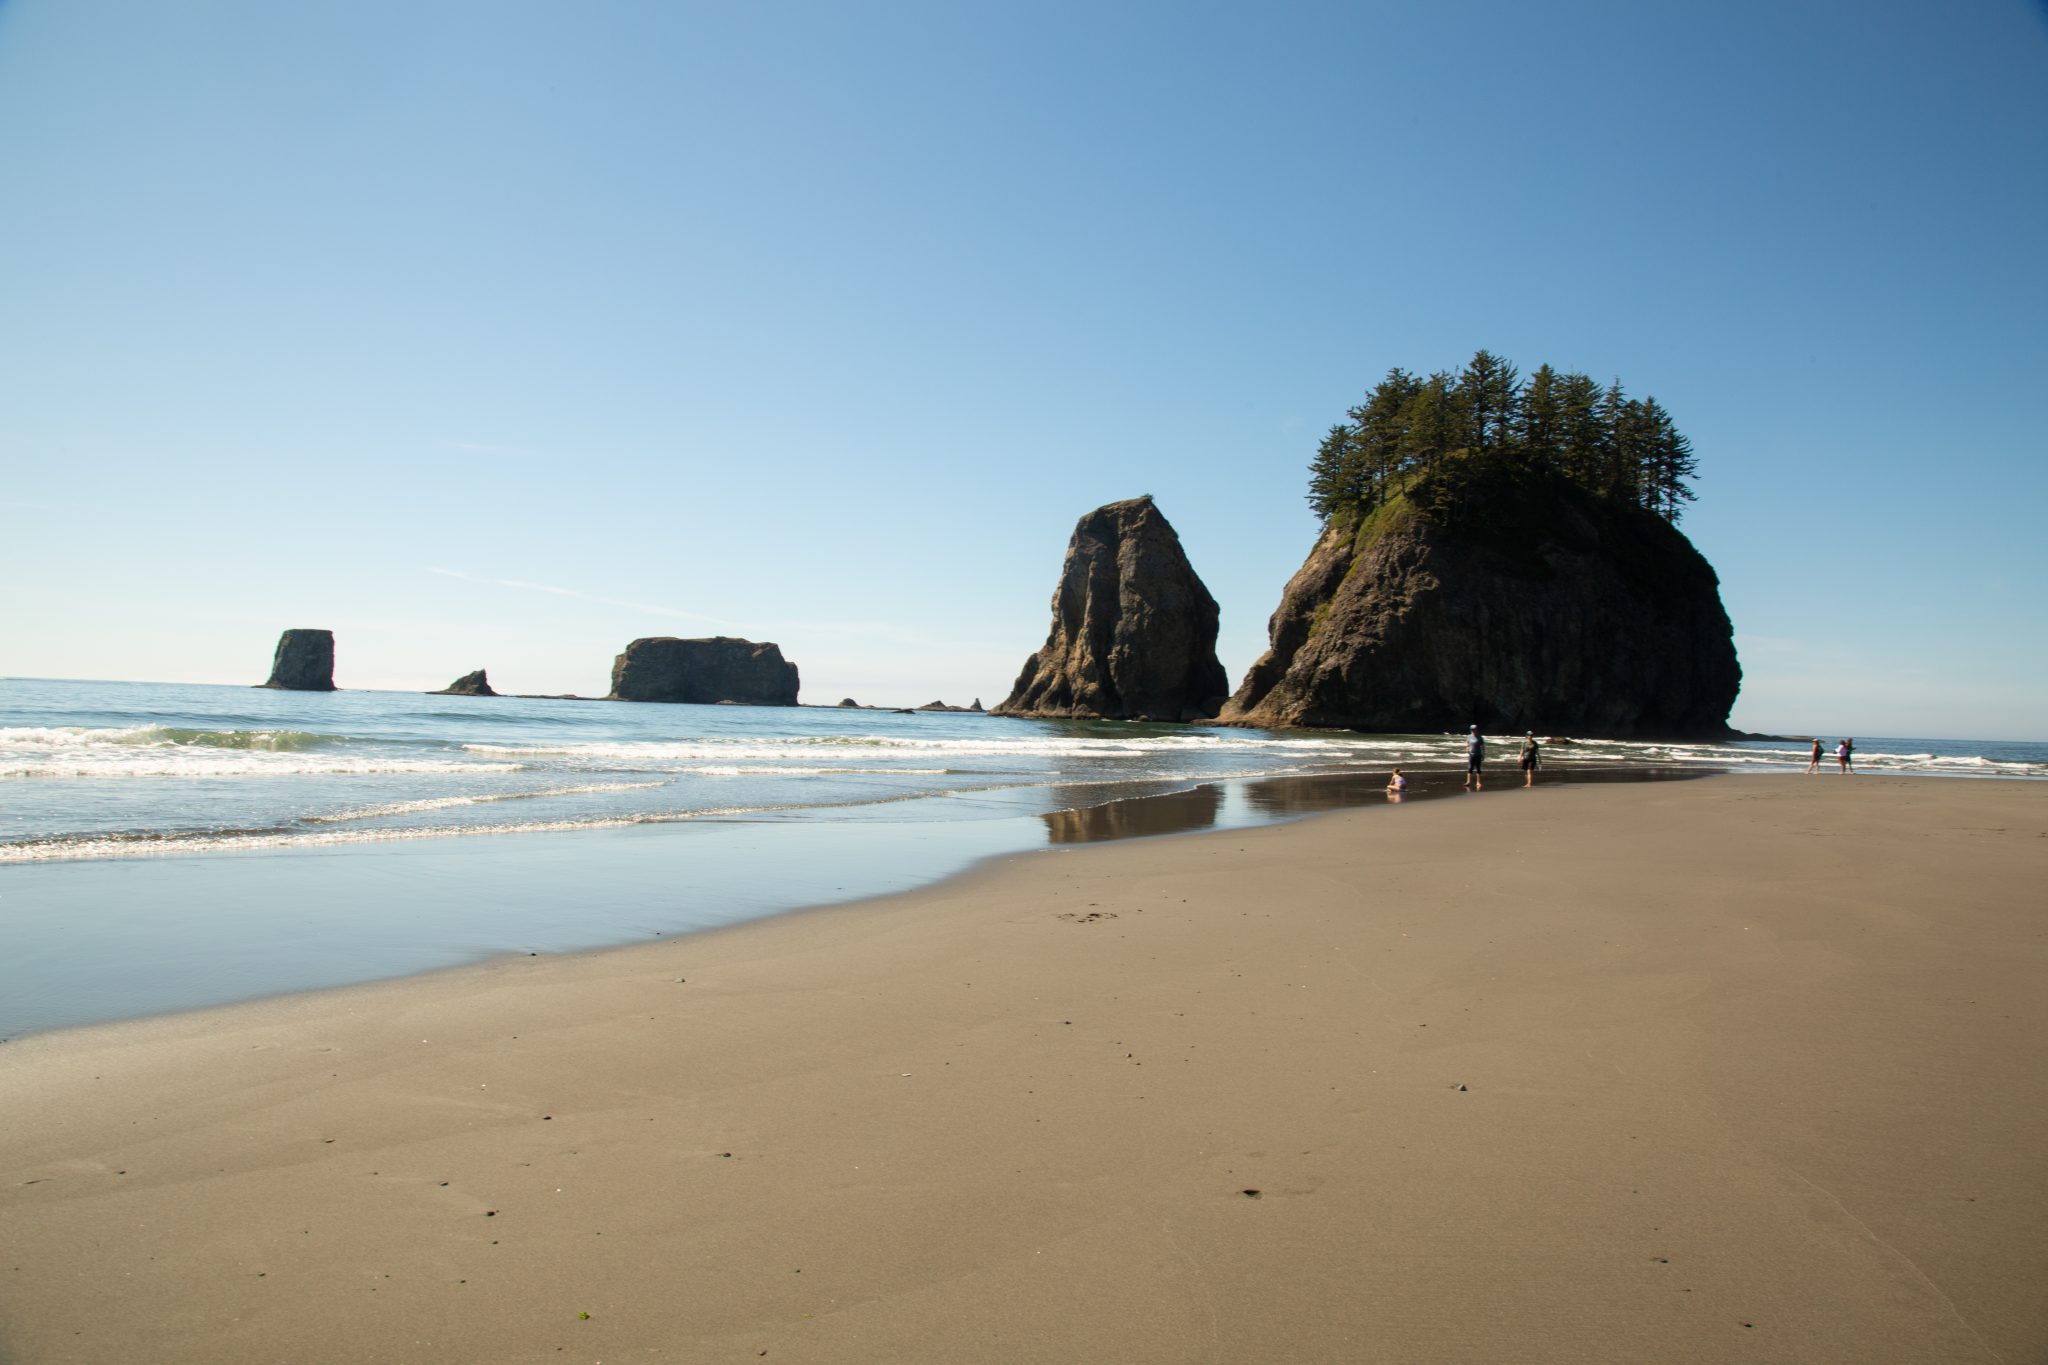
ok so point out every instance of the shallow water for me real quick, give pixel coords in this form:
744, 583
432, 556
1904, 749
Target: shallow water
102, 770
168, 847
89, 941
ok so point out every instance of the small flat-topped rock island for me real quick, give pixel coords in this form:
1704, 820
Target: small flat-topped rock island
304, 662
718, 669
1133, 629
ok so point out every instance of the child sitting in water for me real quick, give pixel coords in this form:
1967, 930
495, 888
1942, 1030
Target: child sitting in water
1396, 784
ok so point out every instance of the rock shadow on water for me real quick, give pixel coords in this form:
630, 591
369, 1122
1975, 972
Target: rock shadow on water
1250, 801
1136, 817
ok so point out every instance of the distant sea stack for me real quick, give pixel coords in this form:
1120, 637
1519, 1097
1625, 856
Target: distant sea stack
304, 662
1133, 630
1539, 607
468, 685
720, 669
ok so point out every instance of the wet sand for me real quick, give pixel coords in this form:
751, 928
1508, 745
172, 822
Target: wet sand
1742, 1069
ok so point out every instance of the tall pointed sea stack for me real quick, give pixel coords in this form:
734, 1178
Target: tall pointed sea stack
1539, 608
1133, 630
304, 662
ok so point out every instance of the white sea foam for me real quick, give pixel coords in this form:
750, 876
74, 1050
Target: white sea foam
796, 746
243, 841
229, 763
1976, 765
76, 751
80, 737
787, 770
286, 771
172, 843
457, 802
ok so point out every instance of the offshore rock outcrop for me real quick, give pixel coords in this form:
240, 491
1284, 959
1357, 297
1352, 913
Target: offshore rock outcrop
475, 684
1542, 608
1133, 630
304, 662
718, 669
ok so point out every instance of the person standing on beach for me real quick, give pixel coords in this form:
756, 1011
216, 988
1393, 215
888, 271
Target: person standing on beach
1475, 759
1844, 752
1813, 764
1531, 760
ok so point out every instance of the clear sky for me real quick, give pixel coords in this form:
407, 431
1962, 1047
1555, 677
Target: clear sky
498, 334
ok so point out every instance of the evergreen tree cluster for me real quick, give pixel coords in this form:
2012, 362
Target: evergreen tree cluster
1436, 439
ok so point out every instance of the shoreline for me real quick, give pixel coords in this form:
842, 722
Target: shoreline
1726, 1070
101, 940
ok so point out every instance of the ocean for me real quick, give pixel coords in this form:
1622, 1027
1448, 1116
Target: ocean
165, 846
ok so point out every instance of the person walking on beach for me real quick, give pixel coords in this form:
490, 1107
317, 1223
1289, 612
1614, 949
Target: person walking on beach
1475, 759
1844, 752
1531, 759
1813, 763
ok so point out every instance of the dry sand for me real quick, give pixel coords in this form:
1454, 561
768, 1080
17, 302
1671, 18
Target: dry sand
1742, 1069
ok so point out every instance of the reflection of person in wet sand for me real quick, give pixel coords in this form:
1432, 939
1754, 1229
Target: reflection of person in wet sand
1531, 760
1396, 785
1813, 763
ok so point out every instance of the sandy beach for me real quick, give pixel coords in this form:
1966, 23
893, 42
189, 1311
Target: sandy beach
1735, 1069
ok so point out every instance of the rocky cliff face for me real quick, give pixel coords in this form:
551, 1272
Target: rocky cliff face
1548, 611
1133, 630
720, 669
304, 662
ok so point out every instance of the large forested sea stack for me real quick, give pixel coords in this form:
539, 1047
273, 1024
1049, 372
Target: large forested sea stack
304, 662
718, 669
1505, 555
1133, 630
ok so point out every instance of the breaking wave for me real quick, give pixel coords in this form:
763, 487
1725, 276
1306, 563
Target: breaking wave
122, 770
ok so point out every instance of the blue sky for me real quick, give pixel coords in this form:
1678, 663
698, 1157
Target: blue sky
496, 335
